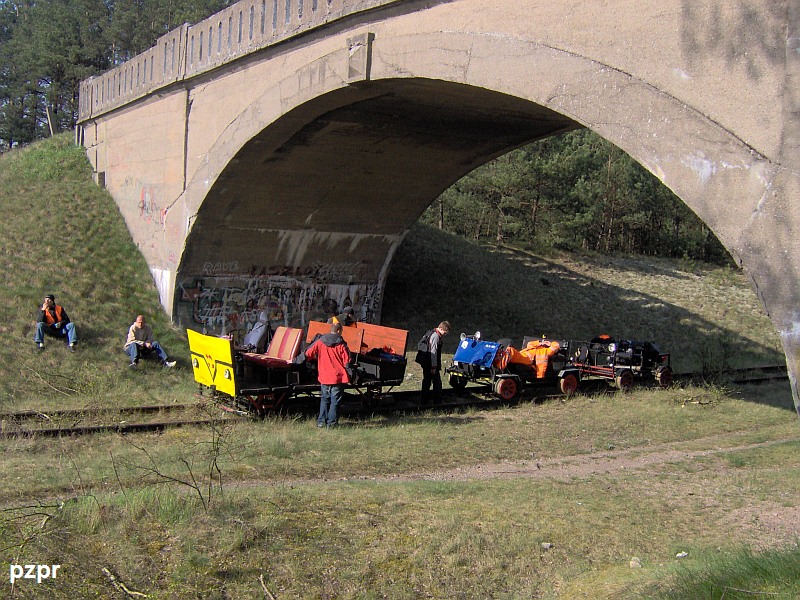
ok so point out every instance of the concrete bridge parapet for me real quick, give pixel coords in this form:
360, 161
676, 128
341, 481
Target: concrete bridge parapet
190, 50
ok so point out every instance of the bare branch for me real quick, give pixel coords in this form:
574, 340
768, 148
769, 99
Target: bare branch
116, 474
121, 587
264, 587
69, 392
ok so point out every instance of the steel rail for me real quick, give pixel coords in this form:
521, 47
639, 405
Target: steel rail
80, 412
122, 428
475, 395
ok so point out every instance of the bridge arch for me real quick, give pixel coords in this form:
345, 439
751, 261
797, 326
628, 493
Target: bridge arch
463, 115
312, 181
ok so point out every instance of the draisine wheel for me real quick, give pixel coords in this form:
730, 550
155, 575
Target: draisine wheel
624, 380
568, 384
368, 398
664, 376
506, 387
457, 382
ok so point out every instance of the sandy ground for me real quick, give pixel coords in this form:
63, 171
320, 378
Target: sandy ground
767, 523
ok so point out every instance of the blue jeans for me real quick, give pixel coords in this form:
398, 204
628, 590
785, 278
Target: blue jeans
136, 351
67, 331
330, 395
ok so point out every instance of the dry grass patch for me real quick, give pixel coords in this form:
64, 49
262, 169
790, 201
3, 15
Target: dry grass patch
437, 539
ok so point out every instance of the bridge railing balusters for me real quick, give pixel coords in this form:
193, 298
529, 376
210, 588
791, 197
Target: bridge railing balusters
180, 53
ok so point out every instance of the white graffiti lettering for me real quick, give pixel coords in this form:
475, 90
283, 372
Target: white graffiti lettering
221, 268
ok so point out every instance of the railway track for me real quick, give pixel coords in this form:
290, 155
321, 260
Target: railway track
67, 423
743, 376
78, 422
63, 423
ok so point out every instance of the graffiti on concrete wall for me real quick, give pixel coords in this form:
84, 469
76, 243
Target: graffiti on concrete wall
149, 208
226, 305
141, 200
341, 272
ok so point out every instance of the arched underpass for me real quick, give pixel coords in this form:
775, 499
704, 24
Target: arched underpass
373, 166
290, 168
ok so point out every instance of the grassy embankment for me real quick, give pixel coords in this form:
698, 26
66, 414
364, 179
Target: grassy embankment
422, 505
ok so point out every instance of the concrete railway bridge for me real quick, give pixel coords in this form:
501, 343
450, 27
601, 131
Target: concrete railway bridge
273, 156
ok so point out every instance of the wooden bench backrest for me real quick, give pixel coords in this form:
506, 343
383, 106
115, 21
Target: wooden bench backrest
285, 344
378, 336
352, 336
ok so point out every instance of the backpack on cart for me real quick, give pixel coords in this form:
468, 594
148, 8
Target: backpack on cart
259, 336
424, 349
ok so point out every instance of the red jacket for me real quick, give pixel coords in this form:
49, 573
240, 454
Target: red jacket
332, 357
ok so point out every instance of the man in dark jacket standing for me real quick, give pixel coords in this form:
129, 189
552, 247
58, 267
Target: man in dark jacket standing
429, 357
346, 317
332, 356
53, 320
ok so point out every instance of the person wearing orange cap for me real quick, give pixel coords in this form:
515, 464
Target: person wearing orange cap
333, 358
345, 318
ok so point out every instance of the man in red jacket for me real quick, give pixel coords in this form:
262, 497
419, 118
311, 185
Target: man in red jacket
332, 356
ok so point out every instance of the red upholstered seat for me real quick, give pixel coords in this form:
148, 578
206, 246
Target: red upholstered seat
263, 360
283, 349
285, 344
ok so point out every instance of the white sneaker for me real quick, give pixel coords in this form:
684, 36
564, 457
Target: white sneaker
169, 363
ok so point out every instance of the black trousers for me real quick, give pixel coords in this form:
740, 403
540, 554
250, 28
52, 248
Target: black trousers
431, 377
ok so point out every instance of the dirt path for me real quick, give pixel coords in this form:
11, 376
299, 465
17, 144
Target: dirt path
762, 523
564, 468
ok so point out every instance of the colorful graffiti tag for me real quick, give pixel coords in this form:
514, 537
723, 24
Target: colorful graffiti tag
231, 305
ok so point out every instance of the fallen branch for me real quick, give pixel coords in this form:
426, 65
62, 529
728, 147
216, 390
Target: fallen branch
121, 587
753, 592
264, 586
50, 385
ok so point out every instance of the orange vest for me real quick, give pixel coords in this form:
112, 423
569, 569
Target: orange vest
538, 353
541, 357
48, 318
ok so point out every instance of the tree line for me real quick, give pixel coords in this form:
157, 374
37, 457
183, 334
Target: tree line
47, 47
574, 191
577, 192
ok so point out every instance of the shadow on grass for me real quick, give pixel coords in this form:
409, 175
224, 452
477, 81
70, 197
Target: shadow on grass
389, 414
776, 394
438, 415
510, 293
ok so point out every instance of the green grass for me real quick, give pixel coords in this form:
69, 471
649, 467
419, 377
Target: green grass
433, 504
377, 507
291, 447
738, 574
61, 234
